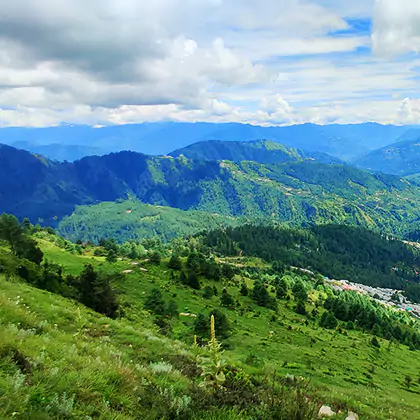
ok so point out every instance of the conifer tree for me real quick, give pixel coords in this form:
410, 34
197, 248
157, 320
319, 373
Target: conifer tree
226, 299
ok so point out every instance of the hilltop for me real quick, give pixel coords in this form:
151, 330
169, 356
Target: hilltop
262, 151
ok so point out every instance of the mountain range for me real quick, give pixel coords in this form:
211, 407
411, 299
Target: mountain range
297, 192
345, 142
400, 158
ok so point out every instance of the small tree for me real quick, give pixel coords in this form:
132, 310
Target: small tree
328, 320
154, 302
208, 292
26, 225
155, 258
300, 308
261, 296
228, 272
299, 291
244, 291
111, 256
96, 292
226, 299
175, 263
375, 342
281, 289
193, 280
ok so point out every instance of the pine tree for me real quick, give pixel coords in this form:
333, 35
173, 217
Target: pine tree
154, 302
111, 256
193, 280
299, 291
244, 291
226, 299
96, 292
328, 320
281, 289
208, 292
201, 326
155, 258
26, 225
300, 308
228, 272
183, 279
175, 262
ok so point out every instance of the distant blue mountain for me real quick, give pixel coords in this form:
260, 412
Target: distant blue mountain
342, 141
399, 158
61, 152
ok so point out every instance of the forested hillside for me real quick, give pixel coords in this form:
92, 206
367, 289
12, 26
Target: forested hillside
262, 151
338, 252
297, 193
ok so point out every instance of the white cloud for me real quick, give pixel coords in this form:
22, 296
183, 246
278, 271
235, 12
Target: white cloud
397, 27
410, 111
266, 62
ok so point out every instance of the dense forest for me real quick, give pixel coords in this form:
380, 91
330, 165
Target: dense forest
339, 252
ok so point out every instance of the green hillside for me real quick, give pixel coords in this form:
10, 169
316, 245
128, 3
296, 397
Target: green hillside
262, 151
132, 220
296, 193
287, 350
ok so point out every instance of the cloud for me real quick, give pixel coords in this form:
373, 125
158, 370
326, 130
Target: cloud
396, 27
267, 62
410, 111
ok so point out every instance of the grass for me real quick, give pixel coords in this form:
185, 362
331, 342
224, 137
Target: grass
61, 360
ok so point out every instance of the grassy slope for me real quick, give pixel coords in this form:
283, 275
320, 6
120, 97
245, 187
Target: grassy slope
344, 370
131, 219
65, 352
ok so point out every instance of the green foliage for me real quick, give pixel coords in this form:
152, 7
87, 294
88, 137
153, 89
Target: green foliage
244, 291
202, 324
261, 296
154, 302
155, 258
134, 220
111, 256
328, 320
226, 299
299, 291
175, 263
374, 341
338, 252
96, 292
282, 289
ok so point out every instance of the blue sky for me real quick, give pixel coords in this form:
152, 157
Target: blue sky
271, 62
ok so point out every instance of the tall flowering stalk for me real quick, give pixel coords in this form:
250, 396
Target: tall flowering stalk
213, 365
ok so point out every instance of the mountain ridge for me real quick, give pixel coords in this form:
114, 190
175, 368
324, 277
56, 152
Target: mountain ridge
401, 158
342, 141
297, 193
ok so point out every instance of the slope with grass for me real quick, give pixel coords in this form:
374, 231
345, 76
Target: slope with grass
61, 360
132, 220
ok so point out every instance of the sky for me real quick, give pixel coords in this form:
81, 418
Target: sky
266, 62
